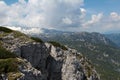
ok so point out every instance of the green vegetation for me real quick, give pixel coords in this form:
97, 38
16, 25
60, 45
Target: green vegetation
8, 61
4, 54
106, 69
3, 35
79, 56
37, 39
115, 37
56, 44
100, 54
14, 75
6, 30
18, 34
8, 65
89, 70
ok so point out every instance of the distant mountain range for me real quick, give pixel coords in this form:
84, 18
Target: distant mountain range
102, 49
115, 37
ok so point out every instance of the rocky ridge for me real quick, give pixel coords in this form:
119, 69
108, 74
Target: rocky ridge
43, 61
101, 50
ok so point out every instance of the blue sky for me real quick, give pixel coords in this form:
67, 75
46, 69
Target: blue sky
10, 1
70, 15
105, 6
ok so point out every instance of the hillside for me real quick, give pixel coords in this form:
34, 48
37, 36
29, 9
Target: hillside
29, 58
102, 52
115, 37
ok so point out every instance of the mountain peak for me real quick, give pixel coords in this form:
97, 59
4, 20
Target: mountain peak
37, 60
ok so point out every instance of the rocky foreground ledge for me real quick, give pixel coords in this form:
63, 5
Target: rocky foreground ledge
37, 60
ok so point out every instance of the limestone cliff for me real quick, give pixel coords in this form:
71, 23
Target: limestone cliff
44, 61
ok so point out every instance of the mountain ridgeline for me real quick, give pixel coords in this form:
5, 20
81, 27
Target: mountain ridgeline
100, 49
115, 37
29, 58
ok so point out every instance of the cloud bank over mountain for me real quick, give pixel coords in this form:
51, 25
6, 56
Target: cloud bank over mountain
67, 15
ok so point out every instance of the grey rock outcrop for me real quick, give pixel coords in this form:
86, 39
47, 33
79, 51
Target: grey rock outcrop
46, 62
36, 54
57, 64
29, 72
72, 70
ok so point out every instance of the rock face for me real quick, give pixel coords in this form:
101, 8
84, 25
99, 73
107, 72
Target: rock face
72, 70
46, 62
99, 48
37, 55
57, 64
29, 72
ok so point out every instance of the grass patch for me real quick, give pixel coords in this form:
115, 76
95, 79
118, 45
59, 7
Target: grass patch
4, 54
79, 56
14, 75
56, 44
1, 43
3, 35
37, 39
18, 34
89, 70
6, 30
8, 65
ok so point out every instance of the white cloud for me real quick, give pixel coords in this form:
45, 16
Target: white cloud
115, 16
40, 13
55, 10
3, 16
14, 28
67, 21
94, 19
101, 23
57, 14
83, 12
33, 30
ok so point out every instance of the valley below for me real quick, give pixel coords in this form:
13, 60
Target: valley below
103, 52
